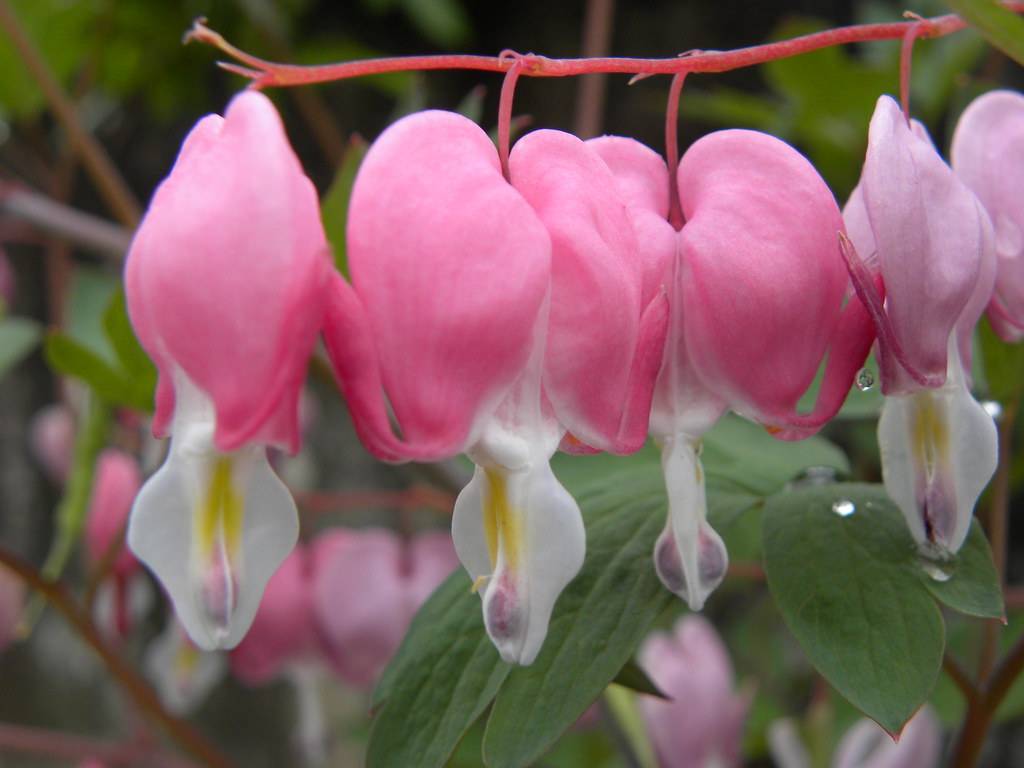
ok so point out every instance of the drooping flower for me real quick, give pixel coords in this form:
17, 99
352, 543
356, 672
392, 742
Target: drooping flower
701, 726
504, 314
756, 287
368, 585
52, 437
116, 482
226, 282
924, 232
182, 674
988, 155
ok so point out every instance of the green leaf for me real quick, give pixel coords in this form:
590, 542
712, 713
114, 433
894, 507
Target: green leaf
442, 22
599, 621
973, 584
1001, 27
18, 337
334, 206
849, 589
130, 354
91, 292
632, 676
444, 675
1003, 365
71, 358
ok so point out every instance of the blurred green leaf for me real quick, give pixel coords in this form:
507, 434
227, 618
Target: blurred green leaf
334, 206
472, 104
1000, 26
72, 358
1003, 365
851, 590
732, 107
442, 22
18, 337
130, 354
90, 294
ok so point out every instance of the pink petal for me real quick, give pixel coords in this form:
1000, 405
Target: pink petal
763, 279
987, 143
116, 482
451, 267
227, 271
600, 361
929, 234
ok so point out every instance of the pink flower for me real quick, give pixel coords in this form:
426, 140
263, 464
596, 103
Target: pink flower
226, 284
924, 232
865, 745
495, 317
988, 155
756, 286
283, 629
702, 725
53, 440
368, 585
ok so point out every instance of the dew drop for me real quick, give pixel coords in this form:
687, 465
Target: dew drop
935, 570
844, 507
865, 380
993, 409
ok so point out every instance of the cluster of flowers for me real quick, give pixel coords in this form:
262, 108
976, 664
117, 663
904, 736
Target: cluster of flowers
574, 295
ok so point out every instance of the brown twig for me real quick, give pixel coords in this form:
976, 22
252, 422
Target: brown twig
65, 746
82, 229
127, 678
597, 34
102, 170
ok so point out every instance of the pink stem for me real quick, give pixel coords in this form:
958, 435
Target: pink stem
906, 59
275, 74
508, 91
675, 211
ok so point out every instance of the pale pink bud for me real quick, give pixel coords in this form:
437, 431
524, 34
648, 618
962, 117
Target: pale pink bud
866, 745
115, 484
53, 440
702, 725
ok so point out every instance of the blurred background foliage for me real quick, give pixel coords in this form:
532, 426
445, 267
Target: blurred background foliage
138, 90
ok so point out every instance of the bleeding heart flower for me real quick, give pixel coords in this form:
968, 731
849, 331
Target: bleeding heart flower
924, 232
756, 286
53, 440
988, 155
226, 283
182, 674
866, 745
368, 585
702, 725
504, 314
116, 482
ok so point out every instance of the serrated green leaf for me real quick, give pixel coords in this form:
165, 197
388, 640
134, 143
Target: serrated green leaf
18, 337
71, 358
849, 589
444, 675
1001, 27
973, 584
334, 206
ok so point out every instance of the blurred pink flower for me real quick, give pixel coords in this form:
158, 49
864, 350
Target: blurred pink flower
12, 599
866, 745
368, 585
52, 436
226, 283
988, 155
702, 726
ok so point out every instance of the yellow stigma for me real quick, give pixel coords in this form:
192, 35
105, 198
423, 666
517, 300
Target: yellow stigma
220, 513
502, 523
930, 432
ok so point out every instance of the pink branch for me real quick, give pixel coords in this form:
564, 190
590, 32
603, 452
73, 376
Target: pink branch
267, 73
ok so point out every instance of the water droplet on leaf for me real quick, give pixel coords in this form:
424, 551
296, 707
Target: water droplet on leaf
844, 507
